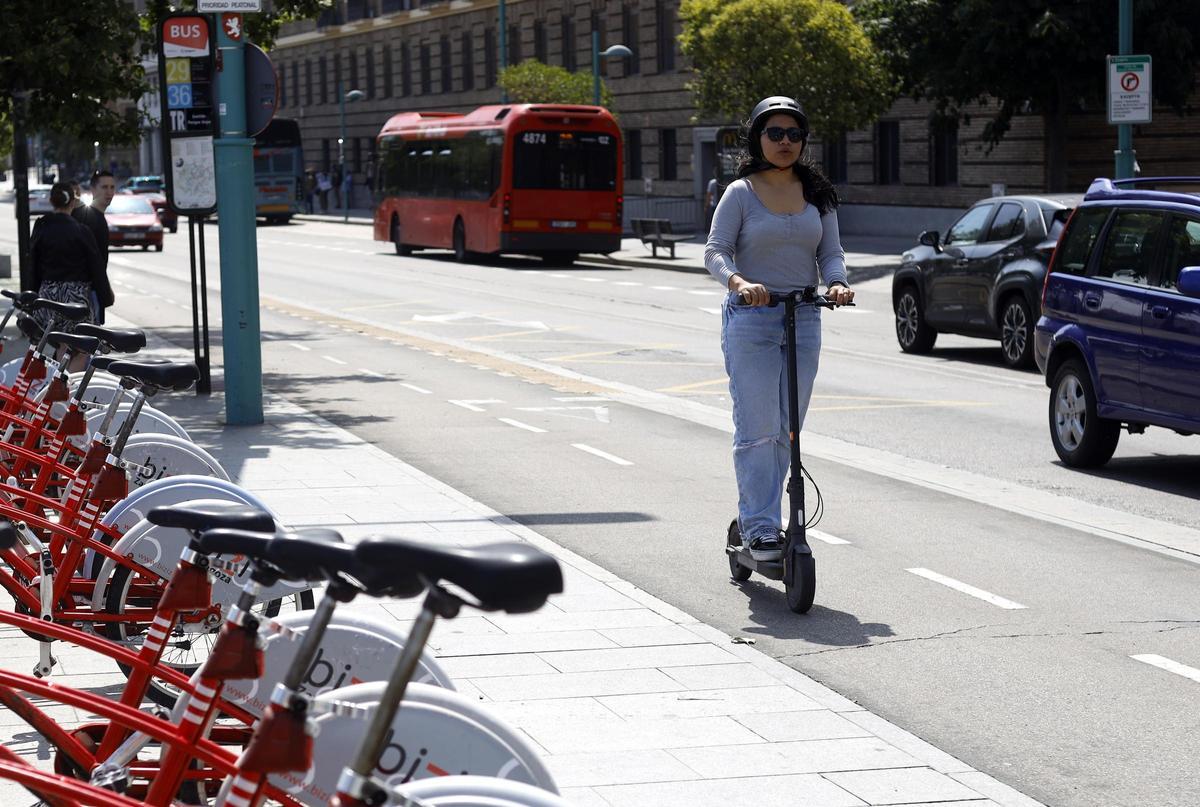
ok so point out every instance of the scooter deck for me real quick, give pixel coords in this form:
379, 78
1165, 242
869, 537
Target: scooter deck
770, 569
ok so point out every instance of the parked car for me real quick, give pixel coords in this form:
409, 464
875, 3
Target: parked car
132, 222
39, 200
143, 184
158, 201
984, 278
1119, 336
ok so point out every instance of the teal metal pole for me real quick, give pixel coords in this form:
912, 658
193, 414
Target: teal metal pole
503, 48
1125, 154
596, 68
234, 155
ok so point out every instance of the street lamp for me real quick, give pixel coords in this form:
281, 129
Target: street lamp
95, 156
611, 50
352, 95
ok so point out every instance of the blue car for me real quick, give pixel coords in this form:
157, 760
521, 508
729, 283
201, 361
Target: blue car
1119, 335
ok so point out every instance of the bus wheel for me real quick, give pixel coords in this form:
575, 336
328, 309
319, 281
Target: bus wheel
562, 258
401, 247
460, 242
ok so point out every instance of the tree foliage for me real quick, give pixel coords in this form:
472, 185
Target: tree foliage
532, 82
812, 50
1045, 57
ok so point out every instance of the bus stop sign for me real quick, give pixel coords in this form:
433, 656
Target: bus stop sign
262, 90
186, 94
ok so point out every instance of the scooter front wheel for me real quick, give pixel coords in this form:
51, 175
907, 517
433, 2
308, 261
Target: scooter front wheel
734, 538
803, 589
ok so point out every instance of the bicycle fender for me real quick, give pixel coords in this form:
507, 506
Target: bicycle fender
354, 649
164, 455
149, 420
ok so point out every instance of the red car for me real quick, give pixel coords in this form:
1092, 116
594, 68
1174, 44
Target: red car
132, 222
168, 217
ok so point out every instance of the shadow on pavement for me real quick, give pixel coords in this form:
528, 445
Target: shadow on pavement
823, 626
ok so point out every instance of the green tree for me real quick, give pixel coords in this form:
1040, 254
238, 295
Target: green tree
1045, 57
532, 82
811, 50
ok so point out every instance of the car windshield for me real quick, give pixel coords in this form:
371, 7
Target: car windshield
129, 204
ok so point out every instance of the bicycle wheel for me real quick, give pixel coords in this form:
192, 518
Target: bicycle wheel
189, 644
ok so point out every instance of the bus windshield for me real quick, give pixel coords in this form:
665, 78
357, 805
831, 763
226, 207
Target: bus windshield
274, 161
568, 161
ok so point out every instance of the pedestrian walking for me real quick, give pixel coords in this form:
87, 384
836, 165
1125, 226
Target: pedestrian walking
335, 181
66, 262
104, 187
323, 187
774, 230
712, 194
348, 189
310, 190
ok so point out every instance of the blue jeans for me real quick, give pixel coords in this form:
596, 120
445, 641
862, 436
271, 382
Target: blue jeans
752, 339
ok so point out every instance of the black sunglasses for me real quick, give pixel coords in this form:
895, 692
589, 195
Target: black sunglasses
775, 133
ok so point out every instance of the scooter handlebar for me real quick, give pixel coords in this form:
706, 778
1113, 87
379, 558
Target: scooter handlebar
805, 296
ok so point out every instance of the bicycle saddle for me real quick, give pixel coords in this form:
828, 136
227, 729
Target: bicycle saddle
30, 327
72, 312
8, 535
104, 362
511, 577
77, 343
329, 560
212, 515
257, 547
172, 375
122, 340
21, 300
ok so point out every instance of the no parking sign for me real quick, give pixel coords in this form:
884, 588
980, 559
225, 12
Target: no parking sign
1129, 96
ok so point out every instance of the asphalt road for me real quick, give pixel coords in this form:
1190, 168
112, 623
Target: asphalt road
589, 404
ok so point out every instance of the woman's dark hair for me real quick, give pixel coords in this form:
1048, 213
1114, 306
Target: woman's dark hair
818, 190
61, 194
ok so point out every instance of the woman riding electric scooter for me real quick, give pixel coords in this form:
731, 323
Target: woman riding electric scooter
774, 231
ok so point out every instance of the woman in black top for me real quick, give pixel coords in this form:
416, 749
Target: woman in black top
67, 266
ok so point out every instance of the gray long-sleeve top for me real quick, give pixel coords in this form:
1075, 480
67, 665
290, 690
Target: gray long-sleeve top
782, 251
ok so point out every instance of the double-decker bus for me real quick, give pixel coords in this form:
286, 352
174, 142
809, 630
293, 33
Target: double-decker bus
278, 171
533, 179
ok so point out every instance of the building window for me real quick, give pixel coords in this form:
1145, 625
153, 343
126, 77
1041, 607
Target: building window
444, 47
426, 70
370, 72
666, 154
353, 57
326, 162
388, 84
489, 57
358, 152
833, 159
943, 153
887, 152
324, 71
356, 9
282, 86
405, 69
568, 43
597, 26
308, 82
395, 5
664, 34
468, 62
513, 44
337, 78
296, 83
633, 159
629, 35
539, 41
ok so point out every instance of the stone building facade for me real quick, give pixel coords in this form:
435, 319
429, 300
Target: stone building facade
412, 55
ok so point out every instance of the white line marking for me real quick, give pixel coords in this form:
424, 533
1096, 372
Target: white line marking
711, 310
415, 388
664, 288
471, 403
334, 360
601, 454
825, 537
627, 283
594, 279
957, 585
589, 398
1167, 664
299, 346
521, 425
556, 274
371, 373
705, 292
169, 300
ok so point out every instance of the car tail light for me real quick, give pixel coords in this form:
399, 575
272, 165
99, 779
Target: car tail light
1054, 255
507, 207
620, 208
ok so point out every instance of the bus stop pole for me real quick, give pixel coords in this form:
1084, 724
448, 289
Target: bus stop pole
1125, 153
234, 154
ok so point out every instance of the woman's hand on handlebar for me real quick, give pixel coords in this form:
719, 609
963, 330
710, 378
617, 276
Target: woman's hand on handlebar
750, 293
839, 294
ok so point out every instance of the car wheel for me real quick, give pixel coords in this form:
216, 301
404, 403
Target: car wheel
914, 334
401, 247
145, 247
1080, 437
1016, 332
158, 247
175, 228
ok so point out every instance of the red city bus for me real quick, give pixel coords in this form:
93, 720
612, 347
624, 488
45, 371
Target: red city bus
535, 179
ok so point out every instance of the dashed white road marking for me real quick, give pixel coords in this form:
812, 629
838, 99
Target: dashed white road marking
627, 283
664, 288
601, 454
706, 292
825, 537
958, 585
1164, 663
371, 373
415, 388
710, 310
334, 359
471, 404
594, 279
559, 274
521, 425
172, 302
299, 346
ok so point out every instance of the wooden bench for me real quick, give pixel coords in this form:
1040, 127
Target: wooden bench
657, 233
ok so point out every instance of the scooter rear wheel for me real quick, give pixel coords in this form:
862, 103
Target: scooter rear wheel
734, 538
803, 589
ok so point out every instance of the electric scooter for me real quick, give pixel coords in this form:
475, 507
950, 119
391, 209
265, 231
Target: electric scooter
797, 567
